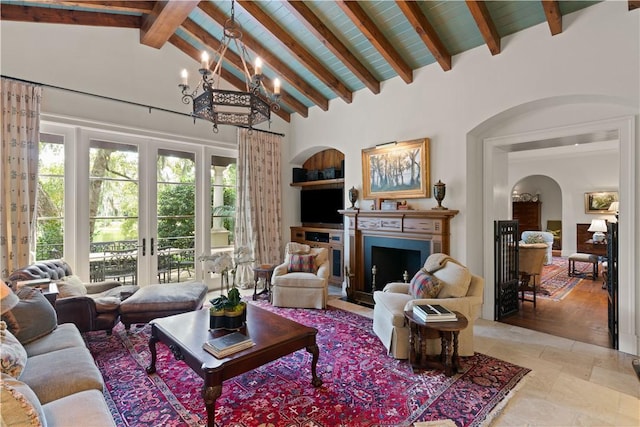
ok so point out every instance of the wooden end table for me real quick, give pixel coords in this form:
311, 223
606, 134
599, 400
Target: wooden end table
265, 271
420, 332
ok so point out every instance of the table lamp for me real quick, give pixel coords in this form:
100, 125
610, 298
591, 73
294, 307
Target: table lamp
8, 299
598, 227
614, 208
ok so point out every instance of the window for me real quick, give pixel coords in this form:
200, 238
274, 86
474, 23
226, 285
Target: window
223, 201
50, 199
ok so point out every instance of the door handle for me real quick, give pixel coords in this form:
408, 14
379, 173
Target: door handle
144, 246
152, 247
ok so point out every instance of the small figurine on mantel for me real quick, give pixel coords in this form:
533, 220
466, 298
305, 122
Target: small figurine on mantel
403, 205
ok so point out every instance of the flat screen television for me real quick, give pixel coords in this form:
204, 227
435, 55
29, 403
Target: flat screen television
320, 206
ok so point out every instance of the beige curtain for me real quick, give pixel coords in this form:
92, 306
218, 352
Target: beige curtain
20, 106
258, 203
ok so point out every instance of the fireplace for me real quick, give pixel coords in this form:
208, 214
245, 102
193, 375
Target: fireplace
393, 241
392, 257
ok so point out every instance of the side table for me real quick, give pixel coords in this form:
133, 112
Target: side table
265, 271
421, 331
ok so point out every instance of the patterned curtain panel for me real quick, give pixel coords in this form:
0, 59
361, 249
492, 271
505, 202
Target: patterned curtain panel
258, 202
18, 173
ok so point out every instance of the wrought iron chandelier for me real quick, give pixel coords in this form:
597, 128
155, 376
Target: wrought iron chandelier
230, 107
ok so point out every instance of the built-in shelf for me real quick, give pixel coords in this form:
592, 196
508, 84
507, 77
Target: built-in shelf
317, 183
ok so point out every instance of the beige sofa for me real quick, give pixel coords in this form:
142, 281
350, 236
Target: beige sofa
301, 289
49, 377
390, 303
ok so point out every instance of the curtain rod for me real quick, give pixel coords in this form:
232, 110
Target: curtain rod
149, 107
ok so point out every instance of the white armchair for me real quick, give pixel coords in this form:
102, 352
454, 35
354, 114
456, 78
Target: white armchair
540, 237
292, 286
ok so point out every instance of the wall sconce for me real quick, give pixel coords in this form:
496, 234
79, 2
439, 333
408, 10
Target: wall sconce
598, 227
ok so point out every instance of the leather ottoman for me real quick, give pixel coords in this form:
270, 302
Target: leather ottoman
162, 300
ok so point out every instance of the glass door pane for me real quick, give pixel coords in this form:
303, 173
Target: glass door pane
113, 211
50, 214
176, 193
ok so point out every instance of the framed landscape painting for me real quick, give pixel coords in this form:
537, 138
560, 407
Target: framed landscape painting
599, 202
398, 170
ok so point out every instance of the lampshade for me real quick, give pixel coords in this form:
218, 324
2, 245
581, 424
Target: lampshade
8, 299
598, 225
614, 207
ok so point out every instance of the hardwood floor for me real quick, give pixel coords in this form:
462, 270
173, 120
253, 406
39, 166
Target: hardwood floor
580, 316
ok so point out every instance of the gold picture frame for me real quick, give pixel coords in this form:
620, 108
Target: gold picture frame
598, 202
381, 178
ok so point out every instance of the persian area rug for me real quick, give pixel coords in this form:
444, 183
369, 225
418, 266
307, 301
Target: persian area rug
555, 281
362, 385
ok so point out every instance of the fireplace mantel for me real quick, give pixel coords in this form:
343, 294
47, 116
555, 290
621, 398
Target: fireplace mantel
425, 225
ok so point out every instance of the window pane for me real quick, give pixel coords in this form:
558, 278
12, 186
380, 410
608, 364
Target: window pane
223, 201
50, 213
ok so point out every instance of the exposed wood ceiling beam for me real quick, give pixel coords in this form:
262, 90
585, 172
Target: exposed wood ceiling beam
333, 43
163, 21
282, 69
120, 6
634, 4
426, 32
234, 59
309, 61
191, 51
72, 17
355, 12
554, 16
485, 24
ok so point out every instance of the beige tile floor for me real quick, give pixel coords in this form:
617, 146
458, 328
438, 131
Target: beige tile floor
571, 383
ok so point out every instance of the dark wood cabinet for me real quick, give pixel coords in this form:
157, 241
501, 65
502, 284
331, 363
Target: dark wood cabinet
585, 244
529, 215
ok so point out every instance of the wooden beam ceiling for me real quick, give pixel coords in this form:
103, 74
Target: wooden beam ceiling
485, 24
120, 6
163, 21
367, 27
634, 4
426, 32
56, 16
191, 51
333, 43
283, 69
554, 16
309, 61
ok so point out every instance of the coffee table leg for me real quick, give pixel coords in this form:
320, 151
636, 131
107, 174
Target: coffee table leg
151, 369
210, 394
313, 349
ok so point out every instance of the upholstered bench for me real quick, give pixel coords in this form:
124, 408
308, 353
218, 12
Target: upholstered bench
579, 257
166, 299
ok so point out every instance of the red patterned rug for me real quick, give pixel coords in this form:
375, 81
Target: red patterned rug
556, 283
362, 385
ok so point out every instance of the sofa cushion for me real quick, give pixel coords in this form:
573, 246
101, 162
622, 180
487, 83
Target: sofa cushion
455, 279
13, 356
107, 304
62, 372
66, 335
85, 408
424, 285
302, 263
20, 405
121, 292
32, 318
71, 286
535, 238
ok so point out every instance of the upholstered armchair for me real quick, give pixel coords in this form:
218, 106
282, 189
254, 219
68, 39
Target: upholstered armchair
530, 262
461, 291
540, 237
90, 306
302, 280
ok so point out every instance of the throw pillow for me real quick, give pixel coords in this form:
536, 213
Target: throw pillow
302, 263
424, 285
13, 356
455, 278
20, 405
32, 318
71, 286
534, 238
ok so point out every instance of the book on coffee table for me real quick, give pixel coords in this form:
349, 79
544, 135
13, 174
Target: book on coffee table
433, 313
227, 344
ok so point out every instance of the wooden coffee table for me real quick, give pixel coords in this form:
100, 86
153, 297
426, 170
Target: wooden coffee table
420, 332
274, 336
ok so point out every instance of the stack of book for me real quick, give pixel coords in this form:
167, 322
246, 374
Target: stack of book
227, 344
433, 313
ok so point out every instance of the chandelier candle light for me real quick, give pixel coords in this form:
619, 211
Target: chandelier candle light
231, 107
